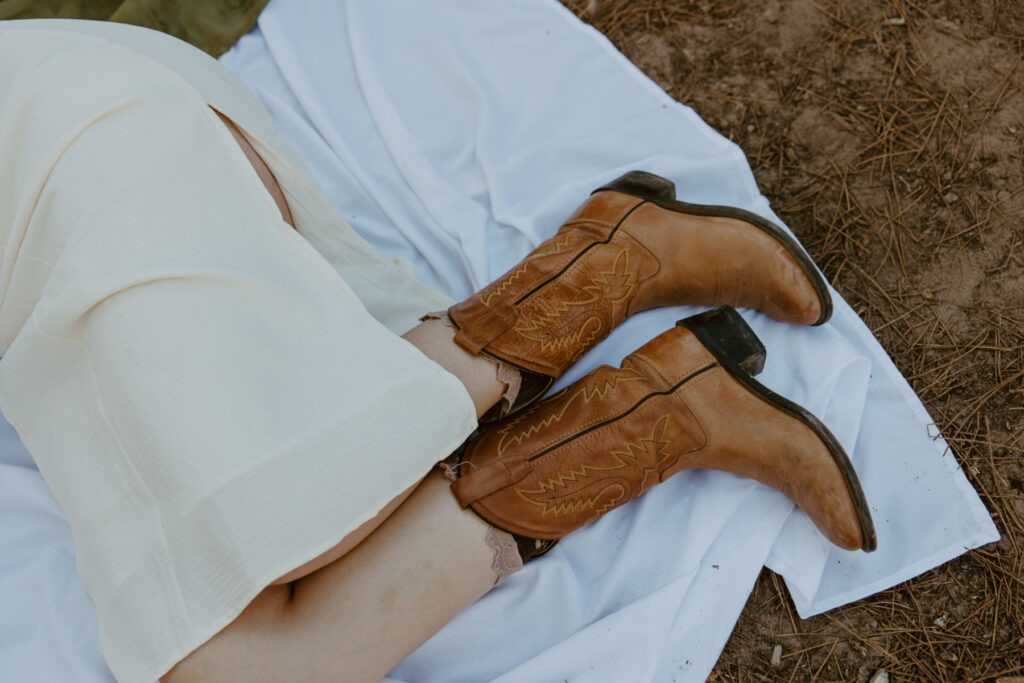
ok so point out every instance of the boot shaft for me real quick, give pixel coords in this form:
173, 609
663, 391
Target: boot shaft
565, 296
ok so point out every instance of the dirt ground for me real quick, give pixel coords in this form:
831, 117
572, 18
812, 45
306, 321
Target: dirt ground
889, 134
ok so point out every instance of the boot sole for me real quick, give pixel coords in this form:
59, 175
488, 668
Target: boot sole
662, 191
717, 330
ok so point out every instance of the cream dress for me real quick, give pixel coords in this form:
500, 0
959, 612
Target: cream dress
213, 398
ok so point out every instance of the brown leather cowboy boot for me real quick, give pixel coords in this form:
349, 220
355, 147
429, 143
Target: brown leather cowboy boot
631, 247
684, 400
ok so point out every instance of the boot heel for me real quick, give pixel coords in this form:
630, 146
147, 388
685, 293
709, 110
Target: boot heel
727, 335
642, 184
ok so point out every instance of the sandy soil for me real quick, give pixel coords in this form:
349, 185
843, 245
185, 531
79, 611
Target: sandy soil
889, 134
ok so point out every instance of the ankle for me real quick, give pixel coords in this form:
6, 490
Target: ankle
477, 373
519, 385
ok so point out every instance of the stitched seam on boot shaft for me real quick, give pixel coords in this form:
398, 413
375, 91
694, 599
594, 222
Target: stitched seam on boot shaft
689, 405
634, 250
656, 371
574, 496
520, 428
544, 321
583, 251
561, 248
485, 480
633, 408
646, 367
508, 314
694, 407
641, 281
528, 364
468, 482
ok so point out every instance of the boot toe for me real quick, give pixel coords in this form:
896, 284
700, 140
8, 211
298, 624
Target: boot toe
834, 510
793, 297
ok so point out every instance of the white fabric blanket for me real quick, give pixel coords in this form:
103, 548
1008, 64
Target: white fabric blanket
459, 134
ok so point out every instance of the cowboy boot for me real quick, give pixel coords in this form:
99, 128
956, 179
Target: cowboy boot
684, 400
631, 247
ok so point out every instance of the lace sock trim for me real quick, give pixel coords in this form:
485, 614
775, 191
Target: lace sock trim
506, 553
509, 375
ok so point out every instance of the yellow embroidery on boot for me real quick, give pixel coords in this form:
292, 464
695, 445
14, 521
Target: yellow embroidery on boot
556, 245
620, 280
647, 453
499, 289
508, 438
549, 328
515, 433
562, 324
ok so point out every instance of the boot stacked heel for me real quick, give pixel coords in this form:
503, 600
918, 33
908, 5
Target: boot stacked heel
728, 337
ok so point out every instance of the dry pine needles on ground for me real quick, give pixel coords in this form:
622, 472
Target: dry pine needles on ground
889, 134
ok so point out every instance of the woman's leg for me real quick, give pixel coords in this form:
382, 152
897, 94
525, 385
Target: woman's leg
355, 612
477, 373
305, 604
358, 617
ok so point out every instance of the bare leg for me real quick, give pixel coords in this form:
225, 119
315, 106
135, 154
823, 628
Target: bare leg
358, 617
405, 573
477, 373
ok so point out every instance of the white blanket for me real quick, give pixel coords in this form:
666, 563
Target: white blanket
459, 134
